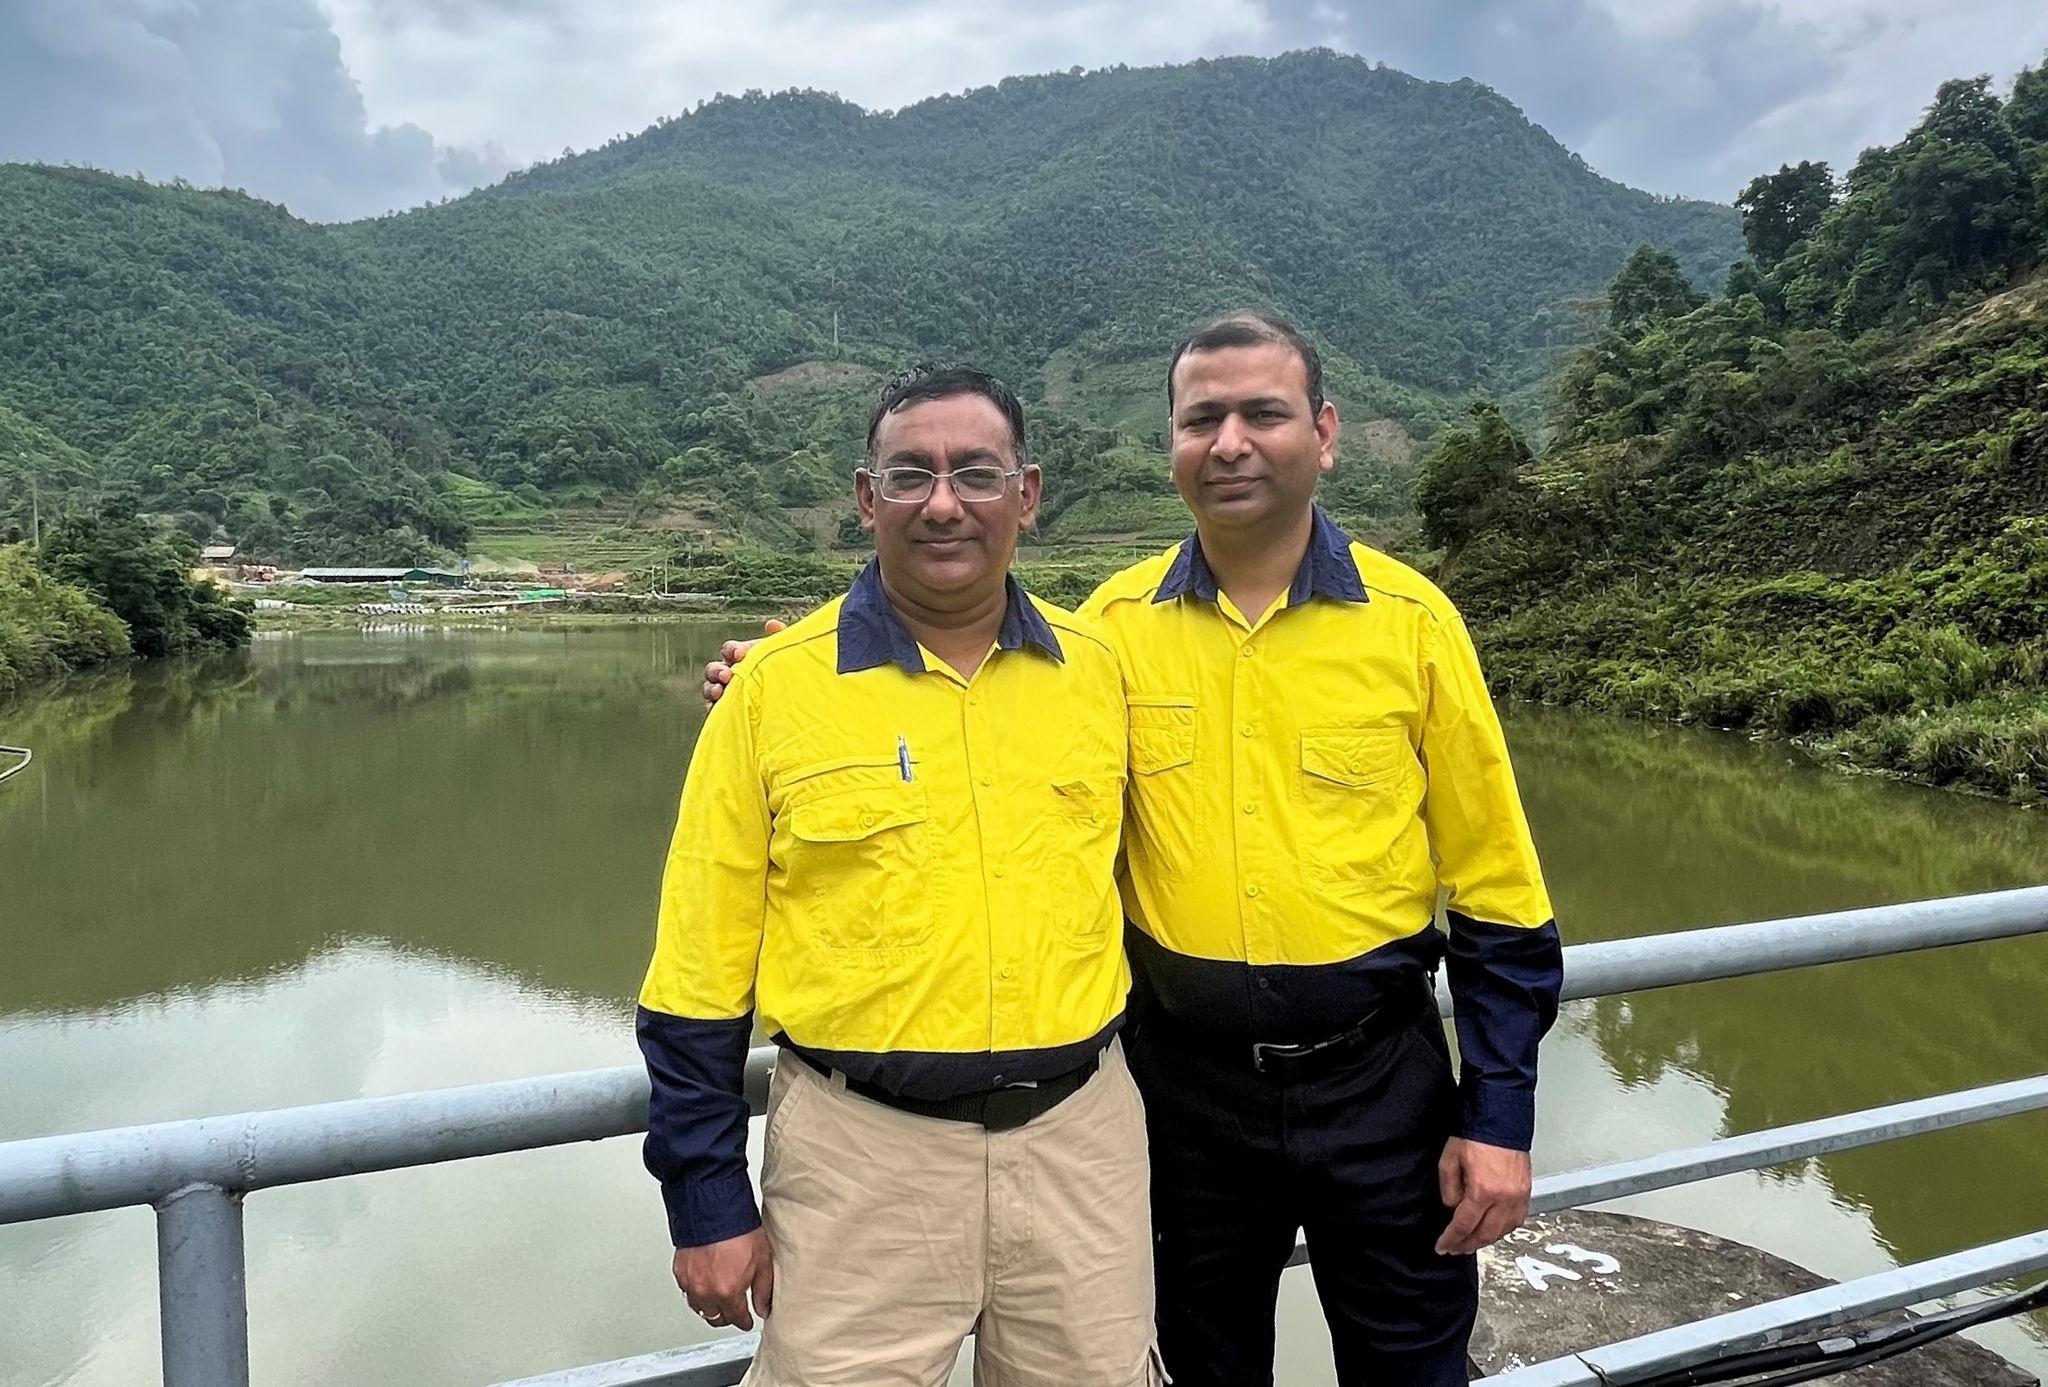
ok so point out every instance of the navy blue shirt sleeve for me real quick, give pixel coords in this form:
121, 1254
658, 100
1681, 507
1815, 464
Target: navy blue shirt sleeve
697, 1124
1504, 988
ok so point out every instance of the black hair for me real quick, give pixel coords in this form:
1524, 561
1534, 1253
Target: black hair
1250, 328
925, 382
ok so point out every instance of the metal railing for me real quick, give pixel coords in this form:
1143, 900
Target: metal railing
195, 1173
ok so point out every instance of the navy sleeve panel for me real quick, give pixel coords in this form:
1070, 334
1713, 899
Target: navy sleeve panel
1504, 988
697, 1124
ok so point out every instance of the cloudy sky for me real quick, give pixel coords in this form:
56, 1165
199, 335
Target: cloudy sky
345, 108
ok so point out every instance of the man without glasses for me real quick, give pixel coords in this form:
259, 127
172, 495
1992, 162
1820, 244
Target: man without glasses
1314, 760
917, 896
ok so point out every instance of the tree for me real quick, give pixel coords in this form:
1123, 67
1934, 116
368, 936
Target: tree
1650, 288
142, 573
1469, 469
1779, 210
2026, 110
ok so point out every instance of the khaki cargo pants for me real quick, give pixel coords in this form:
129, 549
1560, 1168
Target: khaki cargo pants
895, 1237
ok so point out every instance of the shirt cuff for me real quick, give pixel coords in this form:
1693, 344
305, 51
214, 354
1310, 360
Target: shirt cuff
1499, 1115
702, 1212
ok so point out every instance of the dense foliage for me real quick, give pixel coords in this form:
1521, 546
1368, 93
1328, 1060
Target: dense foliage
48, 627
143, 575
1816, 504
691, 316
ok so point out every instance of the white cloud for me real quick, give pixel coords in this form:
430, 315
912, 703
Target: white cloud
241, 93
1693, 96
537, 79
329, 104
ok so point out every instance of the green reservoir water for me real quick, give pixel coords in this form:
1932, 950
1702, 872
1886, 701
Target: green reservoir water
349, 865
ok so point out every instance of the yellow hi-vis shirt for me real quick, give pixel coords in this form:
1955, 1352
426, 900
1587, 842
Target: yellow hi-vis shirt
1304, 781
910, 876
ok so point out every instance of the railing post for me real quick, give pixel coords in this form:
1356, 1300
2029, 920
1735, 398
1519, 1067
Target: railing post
202, 1287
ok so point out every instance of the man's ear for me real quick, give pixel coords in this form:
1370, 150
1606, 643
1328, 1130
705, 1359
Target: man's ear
1326, 436
1031, 483
864, 498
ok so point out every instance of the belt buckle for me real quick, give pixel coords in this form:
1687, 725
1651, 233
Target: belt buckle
1263, 1048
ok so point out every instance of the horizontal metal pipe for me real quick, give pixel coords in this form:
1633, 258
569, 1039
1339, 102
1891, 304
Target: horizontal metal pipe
1755, 1150
720, 1363
1644, 962
79, 1173
48, 1176
1759, 1326
1773, 1146
1771, 946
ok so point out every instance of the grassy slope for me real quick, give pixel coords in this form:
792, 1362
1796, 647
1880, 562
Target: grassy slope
1879, 587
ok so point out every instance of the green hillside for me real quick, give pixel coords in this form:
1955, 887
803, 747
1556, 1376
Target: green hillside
685, 326
1817, 504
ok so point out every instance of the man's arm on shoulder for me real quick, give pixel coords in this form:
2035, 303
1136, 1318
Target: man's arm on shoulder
695, 1018
718, 673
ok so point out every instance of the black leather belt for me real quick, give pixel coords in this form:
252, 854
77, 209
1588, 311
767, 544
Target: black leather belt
1305, 1059
998, 1109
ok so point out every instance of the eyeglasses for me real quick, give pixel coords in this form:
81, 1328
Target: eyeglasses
911, 485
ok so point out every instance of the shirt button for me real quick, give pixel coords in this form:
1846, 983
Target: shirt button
1006, 973
1251, 890
1250, 730
1251, 809
999, 872
986, 781
867, 821
1265, 983
1250, 651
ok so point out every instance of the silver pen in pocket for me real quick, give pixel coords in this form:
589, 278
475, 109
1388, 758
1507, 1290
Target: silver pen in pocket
903, 757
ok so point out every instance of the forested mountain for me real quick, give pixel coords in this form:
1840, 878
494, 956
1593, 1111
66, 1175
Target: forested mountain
1816, 503
696, 313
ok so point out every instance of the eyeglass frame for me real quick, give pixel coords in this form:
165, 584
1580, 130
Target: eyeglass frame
875, 475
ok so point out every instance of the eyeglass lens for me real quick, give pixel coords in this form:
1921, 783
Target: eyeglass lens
917, 484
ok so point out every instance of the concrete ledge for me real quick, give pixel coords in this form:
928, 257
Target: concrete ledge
1636, 1276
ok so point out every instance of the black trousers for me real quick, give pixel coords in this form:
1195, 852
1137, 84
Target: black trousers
1241, 1161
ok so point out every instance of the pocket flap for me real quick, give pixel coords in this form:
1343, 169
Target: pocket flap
849, 818
1081, 798
1162, 734
1353, 757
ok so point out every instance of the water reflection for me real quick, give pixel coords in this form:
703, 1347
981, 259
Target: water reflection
344, 865
1645, 830
500, 797
463, 1274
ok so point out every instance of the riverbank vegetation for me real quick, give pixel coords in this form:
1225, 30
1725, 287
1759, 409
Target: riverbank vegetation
1815, 504
108, 583
47, 627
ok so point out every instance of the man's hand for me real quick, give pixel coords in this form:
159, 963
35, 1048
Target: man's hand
716, 1278
1487, 1187
718, 673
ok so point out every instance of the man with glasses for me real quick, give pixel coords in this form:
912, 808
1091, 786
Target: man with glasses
917, 897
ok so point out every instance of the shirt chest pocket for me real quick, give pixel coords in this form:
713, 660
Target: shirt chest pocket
1360, 792
1077, 846
855, 859
1165, 800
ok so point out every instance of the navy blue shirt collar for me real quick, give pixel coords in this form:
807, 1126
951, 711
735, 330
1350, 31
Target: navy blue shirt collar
1326, 569
871, 634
